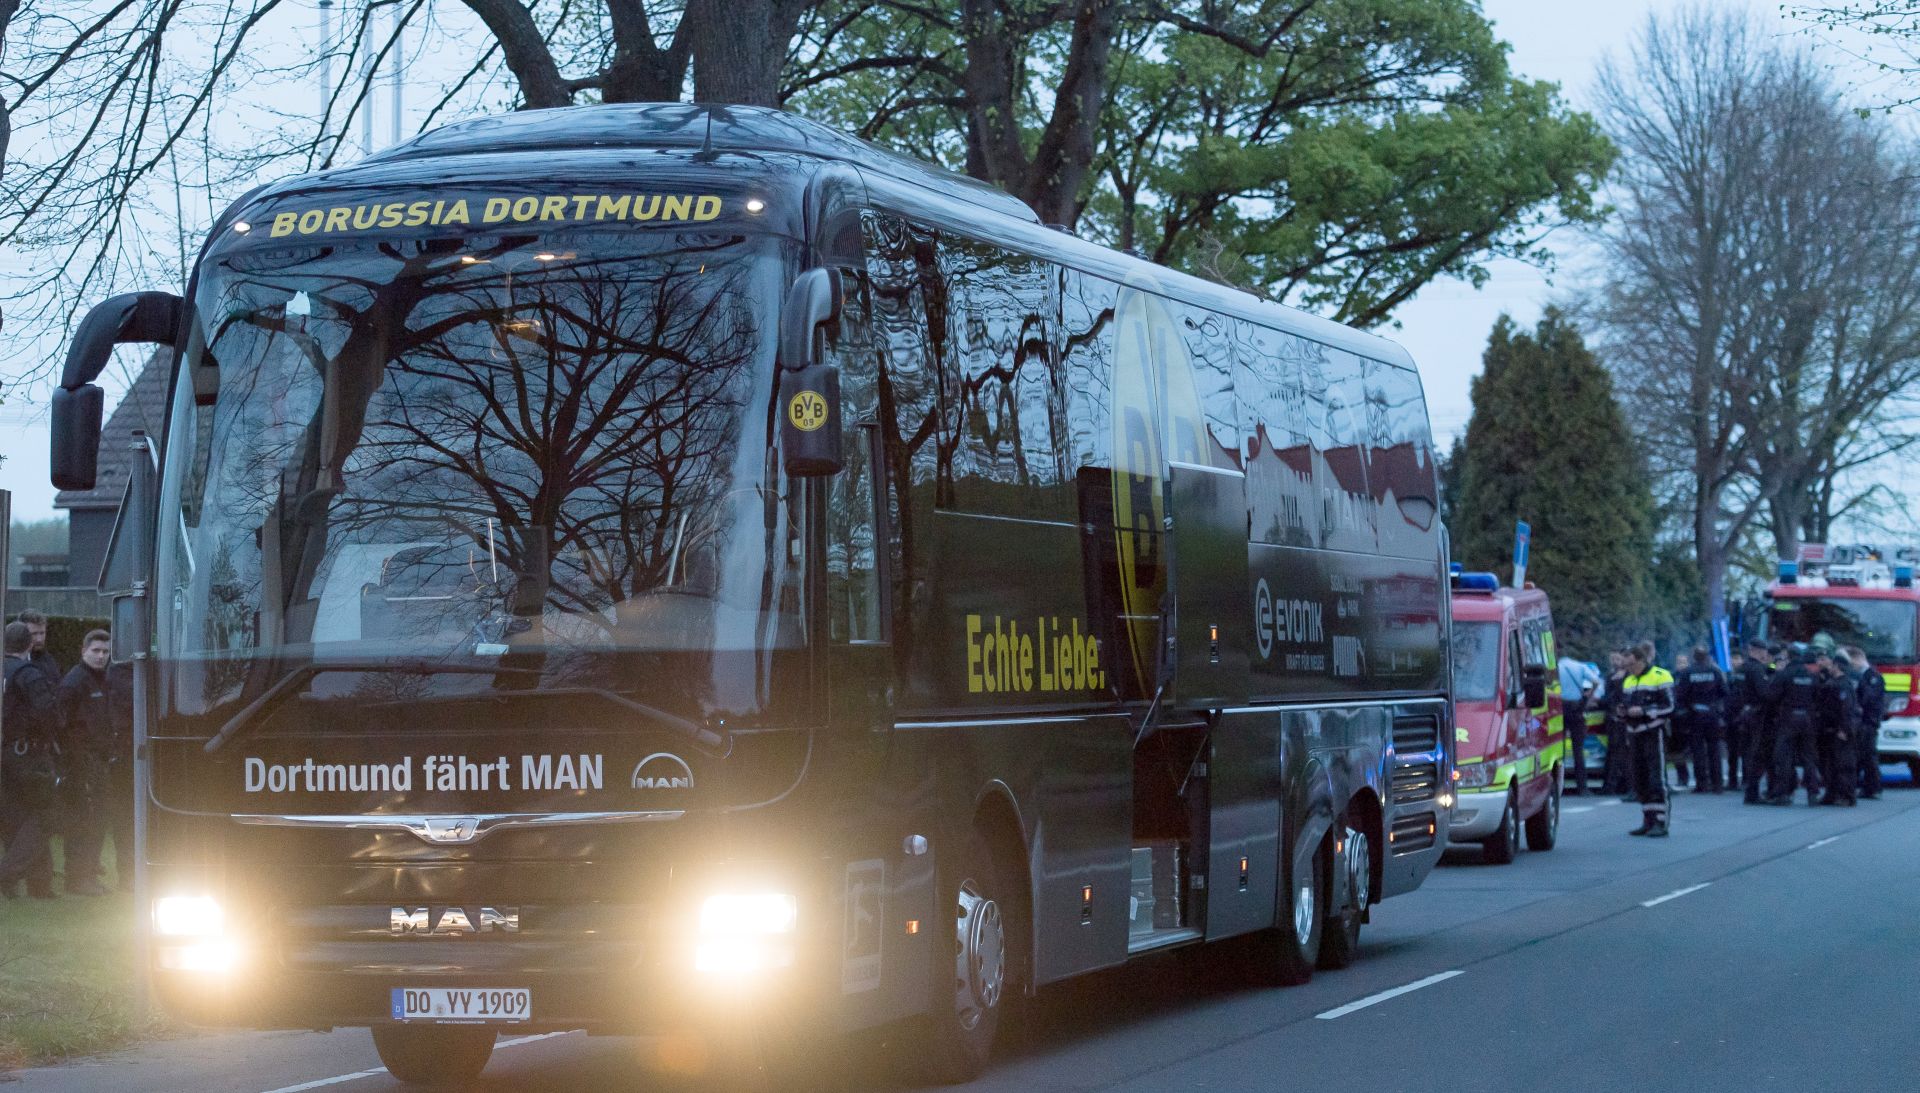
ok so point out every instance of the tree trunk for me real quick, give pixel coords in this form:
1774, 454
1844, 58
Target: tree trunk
1067, 145
1787, 512
525, 52
1708, 551
739, 48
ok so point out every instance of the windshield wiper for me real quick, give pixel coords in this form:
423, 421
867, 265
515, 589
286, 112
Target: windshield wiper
254, 712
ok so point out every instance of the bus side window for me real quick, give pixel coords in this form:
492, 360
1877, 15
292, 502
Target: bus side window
1001, 365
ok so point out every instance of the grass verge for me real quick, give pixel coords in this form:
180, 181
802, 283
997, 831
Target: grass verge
66, 978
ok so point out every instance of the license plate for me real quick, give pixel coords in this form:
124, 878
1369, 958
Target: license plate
462, 1004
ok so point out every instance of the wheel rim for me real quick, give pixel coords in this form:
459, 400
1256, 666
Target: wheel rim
1513, 818
1359, 869
1303, 911
1553, 810
980, 958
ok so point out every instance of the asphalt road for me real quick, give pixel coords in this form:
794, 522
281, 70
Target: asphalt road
1757, 949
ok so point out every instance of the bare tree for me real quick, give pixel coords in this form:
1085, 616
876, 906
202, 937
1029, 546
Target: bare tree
117, 98
1759, 306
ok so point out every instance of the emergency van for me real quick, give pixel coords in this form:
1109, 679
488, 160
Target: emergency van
1509, 740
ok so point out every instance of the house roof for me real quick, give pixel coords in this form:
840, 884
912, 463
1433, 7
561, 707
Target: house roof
142, 409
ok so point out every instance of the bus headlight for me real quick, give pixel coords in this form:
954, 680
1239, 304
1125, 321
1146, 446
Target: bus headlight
742, 933
188, 916
190, 935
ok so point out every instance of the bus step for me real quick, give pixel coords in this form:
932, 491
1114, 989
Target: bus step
1160, 939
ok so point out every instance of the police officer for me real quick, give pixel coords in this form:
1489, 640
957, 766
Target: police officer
1837, 702
1579, 684
28, 780
42, 659
1702, 697
1619, 772
1791, 691
89, 751
1647, 700
1872, 688
1756, 720
1736, 739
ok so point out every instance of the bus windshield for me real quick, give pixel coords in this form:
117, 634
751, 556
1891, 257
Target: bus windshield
539, 451
1883, 629
1476, 661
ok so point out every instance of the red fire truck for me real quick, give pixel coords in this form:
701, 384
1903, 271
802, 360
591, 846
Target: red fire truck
1865, 596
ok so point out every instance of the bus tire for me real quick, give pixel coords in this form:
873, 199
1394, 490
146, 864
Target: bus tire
1543, 827
981, 916
1340, 937
433, 1055
1292, 950
1913, 770
1500, 846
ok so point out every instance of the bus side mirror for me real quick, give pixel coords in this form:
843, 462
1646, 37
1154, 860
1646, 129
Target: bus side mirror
151, 318
809, 390
1534, 686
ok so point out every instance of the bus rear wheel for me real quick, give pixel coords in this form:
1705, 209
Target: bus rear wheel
433, 1055
1341, 941
1293, 948
974, 969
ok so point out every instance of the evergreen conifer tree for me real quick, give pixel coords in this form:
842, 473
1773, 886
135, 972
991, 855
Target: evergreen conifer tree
1547, 444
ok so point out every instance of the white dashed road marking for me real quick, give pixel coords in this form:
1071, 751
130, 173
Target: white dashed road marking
1658, 900
1384, 995
1822, 842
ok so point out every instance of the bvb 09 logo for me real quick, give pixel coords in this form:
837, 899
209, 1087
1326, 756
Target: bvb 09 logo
807, 410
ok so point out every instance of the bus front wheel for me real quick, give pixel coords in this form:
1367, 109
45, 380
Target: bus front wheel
433, 1055
974, 970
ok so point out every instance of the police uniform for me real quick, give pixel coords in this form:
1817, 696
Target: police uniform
1756, 724
32, 720
1652, 693
83, 694
1793, 690
1872, 687
1702, 696
1838, 704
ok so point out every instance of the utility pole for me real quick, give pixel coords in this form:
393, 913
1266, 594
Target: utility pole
367, 71
326, 59
399, 67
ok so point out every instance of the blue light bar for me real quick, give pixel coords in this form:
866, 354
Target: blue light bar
1455, 568
1789, 572
1476, 582
1903, 576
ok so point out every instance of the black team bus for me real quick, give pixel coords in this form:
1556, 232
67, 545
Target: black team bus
643, 567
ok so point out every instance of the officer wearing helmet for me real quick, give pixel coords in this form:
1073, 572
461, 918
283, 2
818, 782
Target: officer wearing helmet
1796, 758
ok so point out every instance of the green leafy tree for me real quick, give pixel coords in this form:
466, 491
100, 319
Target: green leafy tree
1547, 444
1335, 154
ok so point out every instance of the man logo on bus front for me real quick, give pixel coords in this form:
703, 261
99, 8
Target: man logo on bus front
662, 770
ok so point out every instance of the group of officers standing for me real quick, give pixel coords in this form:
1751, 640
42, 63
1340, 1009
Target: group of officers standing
66, 763
1789, 718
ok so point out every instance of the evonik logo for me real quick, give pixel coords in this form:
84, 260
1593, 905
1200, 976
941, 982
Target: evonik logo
662, 770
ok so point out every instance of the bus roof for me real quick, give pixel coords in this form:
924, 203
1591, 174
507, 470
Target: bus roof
686, 129
687, 125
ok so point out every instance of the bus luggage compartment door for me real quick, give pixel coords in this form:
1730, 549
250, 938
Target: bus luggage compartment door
1211, 606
